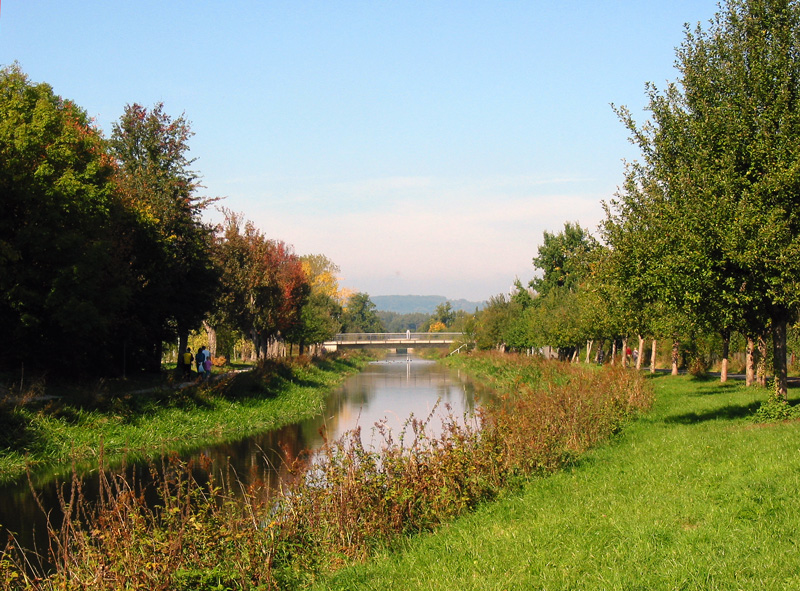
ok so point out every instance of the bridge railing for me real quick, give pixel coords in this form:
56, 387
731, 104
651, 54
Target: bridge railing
366, 337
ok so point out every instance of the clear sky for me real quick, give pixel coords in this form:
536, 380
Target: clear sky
423, 146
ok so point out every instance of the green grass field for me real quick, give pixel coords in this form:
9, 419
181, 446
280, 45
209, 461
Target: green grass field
694, 495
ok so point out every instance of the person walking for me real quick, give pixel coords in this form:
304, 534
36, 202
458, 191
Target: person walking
187, 363
200, 361
207, 365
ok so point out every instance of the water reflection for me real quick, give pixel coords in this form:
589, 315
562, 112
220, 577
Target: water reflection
390, 390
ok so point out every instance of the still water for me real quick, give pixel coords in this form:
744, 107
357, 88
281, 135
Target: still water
388, 391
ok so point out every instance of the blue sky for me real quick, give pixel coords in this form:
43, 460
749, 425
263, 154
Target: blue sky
424, 147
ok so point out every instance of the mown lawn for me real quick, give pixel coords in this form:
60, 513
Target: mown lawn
694, 495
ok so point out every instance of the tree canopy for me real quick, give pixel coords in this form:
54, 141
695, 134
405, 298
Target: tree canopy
713, 206
360, 315
170, 245
105, 258
61, 278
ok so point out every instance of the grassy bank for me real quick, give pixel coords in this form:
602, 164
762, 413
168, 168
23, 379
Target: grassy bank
46, 433
694, 495
351, 504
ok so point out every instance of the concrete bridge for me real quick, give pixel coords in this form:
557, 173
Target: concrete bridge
392, 340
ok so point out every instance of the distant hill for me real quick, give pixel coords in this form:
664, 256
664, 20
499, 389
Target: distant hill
408, 304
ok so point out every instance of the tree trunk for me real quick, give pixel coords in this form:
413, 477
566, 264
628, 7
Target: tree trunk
761, 370
653, 351
614, 352
598, 356
726, 349
212, 339
676, 347
257, 352
639, 353
183, 342
750, 363
779, 357
625, 352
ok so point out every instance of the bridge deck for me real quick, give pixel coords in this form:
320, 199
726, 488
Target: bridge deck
392, 340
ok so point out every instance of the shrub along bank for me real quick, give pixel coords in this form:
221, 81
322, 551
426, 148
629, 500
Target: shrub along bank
45, 433
352, 502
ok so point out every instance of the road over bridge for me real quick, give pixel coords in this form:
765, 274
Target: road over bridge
392, 340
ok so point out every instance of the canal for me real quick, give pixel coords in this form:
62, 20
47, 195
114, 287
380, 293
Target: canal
389, 391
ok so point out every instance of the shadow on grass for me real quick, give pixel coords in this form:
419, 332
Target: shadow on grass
729, 412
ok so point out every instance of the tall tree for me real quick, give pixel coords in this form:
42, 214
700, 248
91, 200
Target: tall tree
171, 247
62, 285
554, 317
494, 320
360, 315
720, 174
320, 317
562, 259
443, 314
264, 285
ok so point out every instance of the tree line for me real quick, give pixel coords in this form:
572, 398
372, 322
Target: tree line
105, 257
701, 244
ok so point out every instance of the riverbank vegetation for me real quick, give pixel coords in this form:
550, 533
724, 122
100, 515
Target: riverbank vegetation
350, 501
698, 251
49, 433
692, 495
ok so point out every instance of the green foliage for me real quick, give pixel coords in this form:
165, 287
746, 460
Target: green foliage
563, 259
103, 254
264, 285
445, 314
707, 224
321, 312
493, 322
319, 321
776, 408
62, 272
360, 315
169, 245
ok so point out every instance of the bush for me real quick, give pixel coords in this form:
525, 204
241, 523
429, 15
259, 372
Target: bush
776, 408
